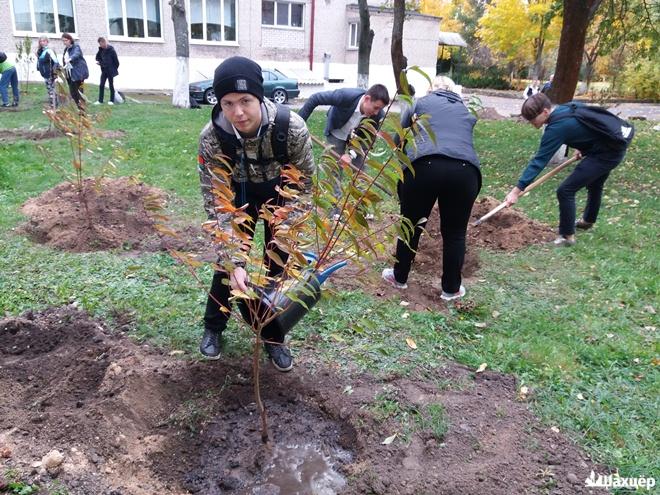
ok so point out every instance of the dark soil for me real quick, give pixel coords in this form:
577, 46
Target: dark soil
508, 231
105, 215
132, 421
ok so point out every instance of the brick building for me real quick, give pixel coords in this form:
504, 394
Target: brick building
274, 33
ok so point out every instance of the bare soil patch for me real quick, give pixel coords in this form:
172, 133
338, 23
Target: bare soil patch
104, 215
10, 135
508, 231
133, 421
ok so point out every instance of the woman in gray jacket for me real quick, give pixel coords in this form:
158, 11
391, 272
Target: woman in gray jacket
445, 171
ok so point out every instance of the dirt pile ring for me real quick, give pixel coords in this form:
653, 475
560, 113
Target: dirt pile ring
132, 421
109, 214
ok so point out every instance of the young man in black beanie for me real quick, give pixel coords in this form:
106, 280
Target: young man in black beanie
241, 130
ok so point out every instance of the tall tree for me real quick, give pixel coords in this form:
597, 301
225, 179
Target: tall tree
399, 62
180, 95
520, 30
365, 43
577, 16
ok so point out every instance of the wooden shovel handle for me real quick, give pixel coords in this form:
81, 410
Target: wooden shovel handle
534, 184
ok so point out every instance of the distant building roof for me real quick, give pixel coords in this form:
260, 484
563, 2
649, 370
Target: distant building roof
451, 39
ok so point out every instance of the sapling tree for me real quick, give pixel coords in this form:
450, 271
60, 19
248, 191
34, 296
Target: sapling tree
305, 224
24, 59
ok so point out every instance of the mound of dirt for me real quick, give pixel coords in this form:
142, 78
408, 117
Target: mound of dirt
105, 214
10, 135
489, 113
509, 230
132, 421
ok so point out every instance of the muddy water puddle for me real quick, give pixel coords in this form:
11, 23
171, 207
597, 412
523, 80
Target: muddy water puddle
301, 470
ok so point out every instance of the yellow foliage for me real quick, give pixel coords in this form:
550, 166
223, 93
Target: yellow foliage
511, 27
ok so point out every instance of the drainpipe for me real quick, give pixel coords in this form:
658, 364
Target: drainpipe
311, 38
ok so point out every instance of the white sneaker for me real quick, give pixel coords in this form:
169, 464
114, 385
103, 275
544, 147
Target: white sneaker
446, 296
97, 103
388, 276
110, 103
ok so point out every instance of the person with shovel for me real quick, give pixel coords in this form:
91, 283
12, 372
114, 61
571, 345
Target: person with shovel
586, 131
445, 171
253, 138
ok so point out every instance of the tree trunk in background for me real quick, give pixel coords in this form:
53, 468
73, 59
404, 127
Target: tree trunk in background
364, 50
399, 62
577, 16
180, 95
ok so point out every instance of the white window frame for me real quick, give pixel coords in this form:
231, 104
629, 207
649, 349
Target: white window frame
204, 41
288, 25
125, 37
356, 26
33, 19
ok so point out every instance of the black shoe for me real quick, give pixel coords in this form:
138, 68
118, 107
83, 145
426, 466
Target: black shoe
280, 356
583, 224
210, 345
15, 104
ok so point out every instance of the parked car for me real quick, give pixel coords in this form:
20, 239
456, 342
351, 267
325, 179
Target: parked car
277, 87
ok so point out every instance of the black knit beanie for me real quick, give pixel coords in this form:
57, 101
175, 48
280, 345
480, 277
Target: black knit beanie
238, 75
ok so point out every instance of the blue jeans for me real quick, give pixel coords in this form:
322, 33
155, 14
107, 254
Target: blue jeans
9, 77
591, 172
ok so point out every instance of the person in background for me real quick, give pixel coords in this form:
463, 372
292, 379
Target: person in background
48, 65
445, 171
547, 86
8, 76
348, 107
75, 69
107, 58
242, 126
600, 158
531, 89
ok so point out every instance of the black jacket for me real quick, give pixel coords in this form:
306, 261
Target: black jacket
107, 59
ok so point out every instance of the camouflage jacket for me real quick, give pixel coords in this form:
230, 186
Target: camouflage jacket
299, 148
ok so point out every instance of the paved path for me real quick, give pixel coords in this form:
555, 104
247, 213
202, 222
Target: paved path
511, 106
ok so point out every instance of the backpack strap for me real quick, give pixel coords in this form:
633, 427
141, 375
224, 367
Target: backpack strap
280, 135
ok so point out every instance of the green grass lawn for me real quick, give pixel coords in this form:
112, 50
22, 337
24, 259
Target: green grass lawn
578, 326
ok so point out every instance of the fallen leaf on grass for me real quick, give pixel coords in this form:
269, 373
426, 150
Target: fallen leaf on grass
411, 343
649, 309
480, 325
404, 303
177, 352
495, 314
482, 367
580, 396
405, 315
336, 337
555, 429
522, 393
389, 440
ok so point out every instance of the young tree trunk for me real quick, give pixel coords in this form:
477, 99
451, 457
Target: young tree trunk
364, 50
538, 54
399, 62
180, 95
577, 16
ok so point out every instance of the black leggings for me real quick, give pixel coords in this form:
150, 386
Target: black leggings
454, 184
110, 79
591, 172
76, 88
255, 195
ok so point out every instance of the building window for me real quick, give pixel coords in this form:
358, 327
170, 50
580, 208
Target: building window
134, 18
44, 16
213, 20
353, 35
281, 14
